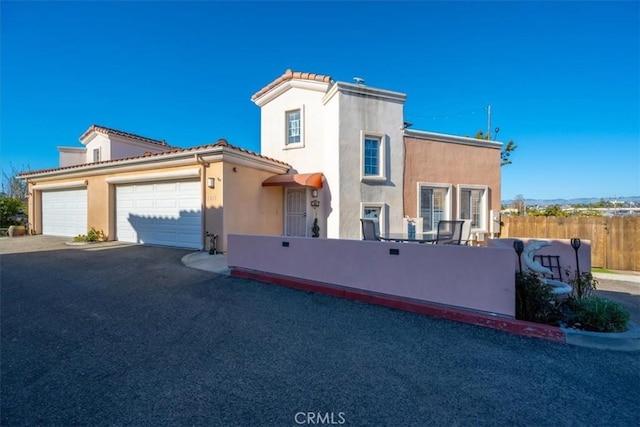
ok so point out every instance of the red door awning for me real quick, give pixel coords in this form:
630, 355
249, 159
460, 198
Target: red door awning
313, 180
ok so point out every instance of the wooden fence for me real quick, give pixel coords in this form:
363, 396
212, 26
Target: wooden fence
615, 241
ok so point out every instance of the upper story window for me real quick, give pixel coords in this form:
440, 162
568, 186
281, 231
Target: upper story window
434, 204
373, 156
294, 127
96, 155
472, 204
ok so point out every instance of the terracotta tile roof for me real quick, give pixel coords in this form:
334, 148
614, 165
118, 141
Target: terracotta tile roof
220, 143
290, 75
109, 131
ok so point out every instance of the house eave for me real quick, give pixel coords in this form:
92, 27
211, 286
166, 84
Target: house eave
366, 91
183, 158
287, 85
455, 139
80, 150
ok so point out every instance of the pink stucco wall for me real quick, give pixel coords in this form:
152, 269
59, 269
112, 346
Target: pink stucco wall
477, 278
560, 247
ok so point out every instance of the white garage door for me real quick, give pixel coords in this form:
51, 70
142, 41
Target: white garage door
160, 213
64, 212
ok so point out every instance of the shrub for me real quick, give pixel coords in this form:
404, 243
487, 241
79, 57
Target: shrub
596, 314
92, 236
534, 300
9, 210
583, 284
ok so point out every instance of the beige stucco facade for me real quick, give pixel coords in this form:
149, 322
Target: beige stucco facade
234, 202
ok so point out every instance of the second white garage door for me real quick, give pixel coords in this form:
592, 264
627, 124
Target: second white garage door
160, 213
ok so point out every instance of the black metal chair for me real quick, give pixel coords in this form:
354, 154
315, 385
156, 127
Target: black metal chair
369, 231
449, 233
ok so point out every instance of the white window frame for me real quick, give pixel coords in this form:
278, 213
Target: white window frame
287, 144
484, 212
382, 161
448, 200
382, 219
97, 155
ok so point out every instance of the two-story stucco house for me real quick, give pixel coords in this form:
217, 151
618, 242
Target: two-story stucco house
356, 136
331, 153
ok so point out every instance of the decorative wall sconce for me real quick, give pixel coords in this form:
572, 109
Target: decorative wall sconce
211, 182
314, 193
315, 203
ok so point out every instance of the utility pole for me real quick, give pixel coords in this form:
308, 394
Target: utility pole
489, 122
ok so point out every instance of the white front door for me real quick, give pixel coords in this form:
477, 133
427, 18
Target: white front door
296, 212
64, 212
161, 213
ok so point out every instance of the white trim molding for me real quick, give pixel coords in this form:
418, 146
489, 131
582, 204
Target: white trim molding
443, 137
362, 90
82, 150
382, 160
289, 84
448, 198
61, 185
293, 145
484, 208
382, 220
158, 176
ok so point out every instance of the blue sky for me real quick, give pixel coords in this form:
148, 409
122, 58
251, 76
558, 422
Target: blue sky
563, 78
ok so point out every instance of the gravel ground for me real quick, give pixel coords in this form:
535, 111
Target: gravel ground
125, 335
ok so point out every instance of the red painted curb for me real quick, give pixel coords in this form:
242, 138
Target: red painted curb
519, 327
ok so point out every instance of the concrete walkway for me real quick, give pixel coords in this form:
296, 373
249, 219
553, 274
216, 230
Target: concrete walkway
204, 261
631, 276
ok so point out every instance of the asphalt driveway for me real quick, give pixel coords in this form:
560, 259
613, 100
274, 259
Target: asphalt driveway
126, 335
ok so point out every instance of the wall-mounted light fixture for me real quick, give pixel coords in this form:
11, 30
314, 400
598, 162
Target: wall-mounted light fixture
211, 182
314, 193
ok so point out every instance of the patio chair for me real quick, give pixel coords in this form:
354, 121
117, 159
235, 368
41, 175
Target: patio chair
449, 233
466, 233
369, 230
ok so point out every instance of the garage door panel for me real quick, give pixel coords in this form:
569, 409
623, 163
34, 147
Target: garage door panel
64, 212
166, 213
167, 188
144, 204
187, 203
167, 203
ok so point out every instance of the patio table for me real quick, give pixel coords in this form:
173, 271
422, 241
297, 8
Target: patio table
406, 237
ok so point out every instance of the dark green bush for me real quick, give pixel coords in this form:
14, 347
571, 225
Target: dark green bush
534, 300
9, 209
596, 314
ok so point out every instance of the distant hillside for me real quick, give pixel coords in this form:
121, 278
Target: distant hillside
562, 202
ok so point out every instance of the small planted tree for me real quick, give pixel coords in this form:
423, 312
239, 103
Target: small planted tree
10, 207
